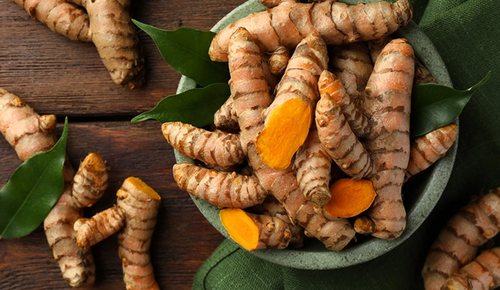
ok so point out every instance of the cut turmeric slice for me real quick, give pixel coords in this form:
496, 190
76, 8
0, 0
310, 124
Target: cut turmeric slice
256, 231
286, 130
240, 227
350, 197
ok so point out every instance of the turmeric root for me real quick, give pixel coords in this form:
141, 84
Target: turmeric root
313, 165
427, 149
90, 181
482, 273
106, 23
222, 189
278, 61
254, 232
336, 134
211, 147
29, 134
134, 218
388, 106
289, 116
457, 244
352, 64
289, 22
350, 197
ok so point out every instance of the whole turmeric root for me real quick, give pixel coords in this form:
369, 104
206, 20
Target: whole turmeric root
289, 22
482, 273
134, 218
106, 23
457, 244
30, 133
388, 106
222, 189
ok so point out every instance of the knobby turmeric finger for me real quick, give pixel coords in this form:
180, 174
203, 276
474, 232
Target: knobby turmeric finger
289, 22
312, 165
279, 60
289, 117
92, 231
222, 189
350, 197
335, 234
457, 244
255, 232
482, 273
352, 64
90, 181
248, 85
388, 107
427, 149
211, 147
106, 23
341, 143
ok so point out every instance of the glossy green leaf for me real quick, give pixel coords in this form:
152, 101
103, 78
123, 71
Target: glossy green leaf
32, 190
186, 50
195, 106
435, 105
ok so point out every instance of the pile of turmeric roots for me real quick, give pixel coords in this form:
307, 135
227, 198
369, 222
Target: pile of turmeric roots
319, 92
68, 233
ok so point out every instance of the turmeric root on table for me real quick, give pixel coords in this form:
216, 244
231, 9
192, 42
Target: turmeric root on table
482, 273
134, 218
30, 133
289, 22
457, 243
106, 23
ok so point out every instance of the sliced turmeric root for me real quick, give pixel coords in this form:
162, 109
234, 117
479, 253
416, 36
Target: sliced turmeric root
252, 231
350, 197
289, 117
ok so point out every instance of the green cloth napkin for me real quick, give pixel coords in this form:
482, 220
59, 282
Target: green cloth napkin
467, 35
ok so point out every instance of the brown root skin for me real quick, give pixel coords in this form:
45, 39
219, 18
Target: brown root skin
106, 23
427, 149
482, 273
289, 22
222, 189
90, 181
211, 147
26, 131
312, 165
388, 106
457, 244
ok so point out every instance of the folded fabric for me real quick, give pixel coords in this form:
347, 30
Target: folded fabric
467, 36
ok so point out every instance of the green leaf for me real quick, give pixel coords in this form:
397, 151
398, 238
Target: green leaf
186, 50
435, 105
32, 190
196, 106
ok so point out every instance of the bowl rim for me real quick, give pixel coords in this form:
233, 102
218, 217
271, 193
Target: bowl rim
316, 256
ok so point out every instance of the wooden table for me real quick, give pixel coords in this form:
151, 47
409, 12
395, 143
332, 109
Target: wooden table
55, 75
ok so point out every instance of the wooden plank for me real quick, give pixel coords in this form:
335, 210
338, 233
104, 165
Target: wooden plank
59, 76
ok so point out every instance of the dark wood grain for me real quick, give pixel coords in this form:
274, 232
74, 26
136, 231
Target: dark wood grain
63, 77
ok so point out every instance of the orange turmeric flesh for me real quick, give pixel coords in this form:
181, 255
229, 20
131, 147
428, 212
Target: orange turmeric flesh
350, 197
241, 227
285, 131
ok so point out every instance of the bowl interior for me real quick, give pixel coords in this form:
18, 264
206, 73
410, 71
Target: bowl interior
421, 192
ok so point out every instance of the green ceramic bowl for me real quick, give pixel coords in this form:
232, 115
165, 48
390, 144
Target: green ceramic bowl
421, 192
